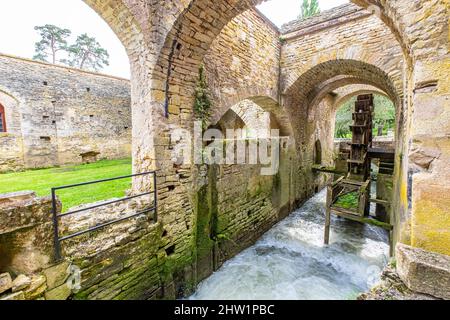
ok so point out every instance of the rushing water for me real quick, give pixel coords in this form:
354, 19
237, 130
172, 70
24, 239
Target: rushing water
290, 261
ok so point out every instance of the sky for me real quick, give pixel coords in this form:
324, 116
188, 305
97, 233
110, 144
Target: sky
19, 17
283, 11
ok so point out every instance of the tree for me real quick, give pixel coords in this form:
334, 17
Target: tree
53, 40
310, 8
87, 54
344, 119
384, 116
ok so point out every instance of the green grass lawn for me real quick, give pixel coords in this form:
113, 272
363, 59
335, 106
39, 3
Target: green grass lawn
41, 181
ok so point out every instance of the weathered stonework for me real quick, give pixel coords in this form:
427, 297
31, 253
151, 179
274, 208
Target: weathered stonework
56, 115
404, 55
423, 271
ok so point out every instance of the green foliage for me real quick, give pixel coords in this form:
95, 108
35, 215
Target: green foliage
41, 181
53, 40
348, 201
310, 8
202, 105
384, 116
85, 53
88, 54
344, 119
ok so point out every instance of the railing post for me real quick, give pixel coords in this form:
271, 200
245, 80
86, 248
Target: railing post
56, 217
155, 218
56, 242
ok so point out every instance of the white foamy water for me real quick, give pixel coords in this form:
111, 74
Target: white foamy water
290, 261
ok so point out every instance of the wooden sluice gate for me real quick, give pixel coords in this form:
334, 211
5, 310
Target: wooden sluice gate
349, 196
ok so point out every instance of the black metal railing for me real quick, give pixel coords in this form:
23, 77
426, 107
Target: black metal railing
56, 217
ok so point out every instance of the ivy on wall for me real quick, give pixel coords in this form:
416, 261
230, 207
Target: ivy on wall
202, 106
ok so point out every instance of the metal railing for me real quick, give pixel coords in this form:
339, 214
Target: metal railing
57, 217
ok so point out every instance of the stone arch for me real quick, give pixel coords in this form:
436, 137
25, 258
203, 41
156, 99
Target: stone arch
277, 113
342, 85
121, 18
304, 97
12, 114
201, 22
344, 94
354, 71
230, 120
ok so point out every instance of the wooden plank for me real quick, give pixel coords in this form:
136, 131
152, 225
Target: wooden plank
356, 161
378, 153
349, 215
325, 169
379, 201
353, 182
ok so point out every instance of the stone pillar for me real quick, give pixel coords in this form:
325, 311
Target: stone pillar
429, 153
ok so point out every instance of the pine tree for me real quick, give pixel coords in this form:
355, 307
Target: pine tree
53, 40
310, 8
87, 54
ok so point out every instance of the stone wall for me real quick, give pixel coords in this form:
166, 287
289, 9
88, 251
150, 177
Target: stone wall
237, 205
56, 114
169, 39
404, 55
344, 38
243, 62
123, 261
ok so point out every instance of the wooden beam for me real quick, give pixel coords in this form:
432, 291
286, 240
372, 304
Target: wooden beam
382, 154
325, 169
379, 201
351, 216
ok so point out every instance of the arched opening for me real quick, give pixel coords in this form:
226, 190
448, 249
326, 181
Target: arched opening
384, 115
251, 118
2, 119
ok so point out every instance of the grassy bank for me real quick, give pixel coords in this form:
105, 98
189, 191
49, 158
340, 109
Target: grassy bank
41, 181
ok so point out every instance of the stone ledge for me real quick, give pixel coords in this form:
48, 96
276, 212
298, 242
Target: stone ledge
423, 271
10, 199
20, 211
392, 287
